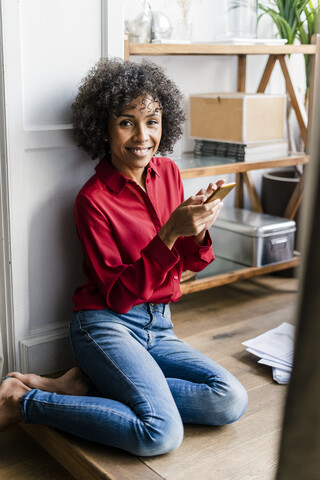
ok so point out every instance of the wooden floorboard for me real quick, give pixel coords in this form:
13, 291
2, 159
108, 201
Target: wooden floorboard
89, 461
21, 458
203, 445
216, 322
237, 464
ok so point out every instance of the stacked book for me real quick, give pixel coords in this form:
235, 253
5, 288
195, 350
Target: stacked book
275, 348
240, 152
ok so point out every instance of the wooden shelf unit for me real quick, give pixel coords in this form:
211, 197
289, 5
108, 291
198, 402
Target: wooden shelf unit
275, 53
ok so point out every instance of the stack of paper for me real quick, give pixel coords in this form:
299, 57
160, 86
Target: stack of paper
275, 348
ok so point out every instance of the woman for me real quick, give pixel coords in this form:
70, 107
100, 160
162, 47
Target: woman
138, 234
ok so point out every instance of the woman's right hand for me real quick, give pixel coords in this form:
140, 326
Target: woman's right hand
189, 218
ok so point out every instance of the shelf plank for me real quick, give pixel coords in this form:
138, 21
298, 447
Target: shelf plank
151, 49
201, 167
234, 276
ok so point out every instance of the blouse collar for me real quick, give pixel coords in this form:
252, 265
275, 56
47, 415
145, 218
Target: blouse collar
115, 180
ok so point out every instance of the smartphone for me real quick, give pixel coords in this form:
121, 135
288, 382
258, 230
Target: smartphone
221, 192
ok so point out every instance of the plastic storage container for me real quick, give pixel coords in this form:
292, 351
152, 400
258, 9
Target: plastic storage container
252, 239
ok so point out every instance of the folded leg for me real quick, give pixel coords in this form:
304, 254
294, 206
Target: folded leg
204, 392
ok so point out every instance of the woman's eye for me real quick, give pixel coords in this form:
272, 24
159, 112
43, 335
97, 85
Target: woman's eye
125, 123
153, 122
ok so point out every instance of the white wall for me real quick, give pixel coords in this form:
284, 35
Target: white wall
55, 54
207, 17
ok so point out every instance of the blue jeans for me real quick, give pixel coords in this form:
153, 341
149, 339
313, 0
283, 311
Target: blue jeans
144, 383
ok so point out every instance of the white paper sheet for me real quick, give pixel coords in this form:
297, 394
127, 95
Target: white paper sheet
269, 363
275, 348
271, 358
280, 376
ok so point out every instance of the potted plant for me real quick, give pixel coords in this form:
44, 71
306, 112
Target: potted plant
294, 20
309, 27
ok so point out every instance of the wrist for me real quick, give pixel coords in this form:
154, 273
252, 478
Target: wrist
167, 236
200, 237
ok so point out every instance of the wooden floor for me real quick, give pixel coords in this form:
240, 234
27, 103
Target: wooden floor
215, 321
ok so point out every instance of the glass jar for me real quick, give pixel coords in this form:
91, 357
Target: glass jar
242, 18
235, 19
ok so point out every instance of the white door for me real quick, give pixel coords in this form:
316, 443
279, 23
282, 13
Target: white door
48, 46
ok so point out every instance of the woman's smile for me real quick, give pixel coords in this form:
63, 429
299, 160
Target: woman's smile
139, 151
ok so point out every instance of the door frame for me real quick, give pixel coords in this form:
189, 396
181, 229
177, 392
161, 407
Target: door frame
6, 297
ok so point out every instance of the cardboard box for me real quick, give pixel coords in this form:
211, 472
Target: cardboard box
237, 117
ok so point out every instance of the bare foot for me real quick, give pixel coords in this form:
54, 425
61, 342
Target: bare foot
71, 383
11, 390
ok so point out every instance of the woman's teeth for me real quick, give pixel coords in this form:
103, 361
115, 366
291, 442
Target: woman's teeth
139, 150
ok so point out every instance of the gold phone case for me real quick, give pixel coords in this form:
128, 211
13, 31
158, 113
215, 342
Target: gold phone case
221, 192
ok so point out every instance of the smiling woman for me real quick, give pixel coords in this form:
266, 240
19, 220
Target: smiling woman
136, 382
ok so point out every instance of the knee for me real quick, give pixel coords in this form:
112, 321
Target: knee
227, 400
235, 402
162, 437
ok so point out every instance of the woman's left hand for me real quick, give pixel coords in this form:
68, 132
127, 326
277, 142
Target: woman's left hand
217, 205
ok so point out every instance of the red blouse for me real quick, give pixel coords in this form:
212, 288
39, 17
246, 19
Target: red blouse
125, 261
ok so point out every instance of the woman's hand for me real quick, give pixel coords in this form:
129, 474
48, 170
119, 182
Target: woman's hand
192, 217
207, 192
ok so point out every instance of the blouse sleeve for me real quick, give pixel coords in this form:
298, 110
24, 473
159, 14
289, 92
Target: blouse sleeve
196, 257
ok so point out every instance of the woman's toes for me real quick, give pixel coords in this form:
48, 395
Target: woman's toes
29, 379
71, 383
11, 390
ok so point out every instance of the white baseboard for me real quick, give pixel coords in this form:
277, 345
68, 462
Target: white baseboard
46, 353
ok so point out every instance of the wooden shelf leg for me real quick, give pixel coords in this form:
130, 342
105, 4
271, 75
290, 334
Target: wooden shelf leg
295, 200
313, 86
126, 55
254, 198
296, 102
239, 191
242, 65
267, 74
